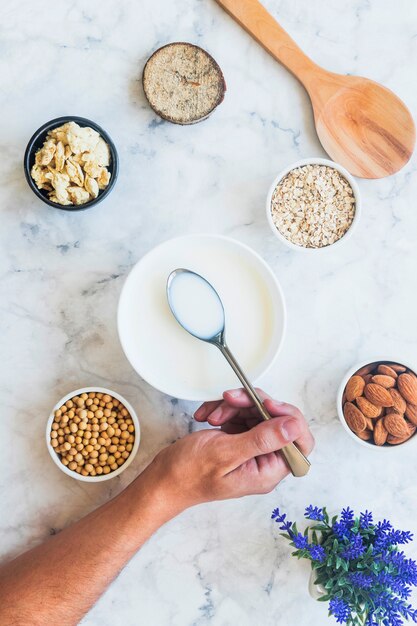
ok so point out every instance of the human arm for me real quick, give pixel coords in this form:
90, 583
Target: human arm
58, 581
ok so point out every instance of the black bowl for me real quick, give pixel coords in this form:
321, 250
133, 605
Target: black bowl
37, 141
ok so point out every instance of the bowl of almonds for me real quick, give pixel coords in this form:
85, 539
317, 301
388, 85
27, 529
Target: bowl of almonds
377, 403
71, 163
92, 434
313, 204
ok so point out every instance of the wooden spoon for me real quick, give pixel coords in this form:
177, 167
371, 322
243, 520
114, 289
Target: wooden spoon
361, 124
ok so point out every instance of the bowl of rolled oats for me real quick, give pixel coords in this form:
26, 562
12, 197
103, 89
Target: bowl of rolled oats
71, 163
313, 204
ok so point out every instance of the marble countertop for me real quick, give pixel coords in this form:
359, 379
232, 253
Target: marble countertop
220, 564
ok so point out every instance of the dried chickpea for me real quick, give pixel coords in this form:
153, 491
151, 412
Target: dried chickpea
120, 461
93, 454
71, 414
84, 472
70, 438
103, 456
89, 467
54, 434
115, 440
107, 413
80, 402
125, 455
72, 465
129, 447
111, 460
73, 427
55, 426
54, 443
61, 439
88, 402
131, 439
124, 435
93, 441
106, 469
117, 454
113, 448
106, 397
65, 461
94, 407
99, 470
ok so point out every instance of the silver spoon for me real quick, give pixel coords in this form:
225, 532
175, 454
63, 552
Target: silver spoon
210, 327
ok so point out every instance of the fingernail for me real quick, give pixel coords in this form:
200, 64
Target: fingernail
290, 429
200, 413
235, 393
215, 416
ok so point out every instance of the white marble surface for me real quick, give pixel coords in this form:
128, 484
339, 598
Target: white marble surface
61, 274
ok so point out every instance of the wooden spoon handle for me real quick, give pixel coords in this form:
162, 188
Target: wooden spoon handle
256, 20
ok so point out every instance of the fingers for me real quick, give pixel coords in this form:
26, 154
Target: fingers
240, 399
205, 409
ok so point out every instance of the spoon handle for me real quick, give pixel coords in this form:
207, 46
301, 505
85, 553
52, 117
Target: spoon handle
296, 461
256, 20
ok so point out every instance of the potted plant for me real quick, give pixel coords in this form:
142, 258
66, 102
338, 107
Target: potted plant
357, 565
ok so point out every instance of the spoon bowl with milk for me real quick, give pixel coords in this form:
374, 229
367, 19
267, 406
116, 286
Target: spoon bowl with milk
197, 307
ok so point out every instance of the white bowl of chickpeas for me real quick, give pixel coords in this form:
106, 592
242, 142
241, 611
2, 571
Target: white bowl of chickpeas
93, 434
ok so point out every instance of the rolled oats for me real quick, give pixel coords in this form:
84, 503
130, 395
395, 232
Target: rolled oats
313, 206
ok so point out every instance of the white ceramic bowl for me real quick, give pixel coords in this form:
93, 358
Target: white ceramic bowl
314, 161
173, 361
103, 477
351, 372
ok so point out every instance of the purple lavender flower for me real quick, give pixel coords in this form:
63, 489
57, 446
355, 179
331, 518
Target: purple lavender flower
301, 542
361, 580
314, 513
317, 553
280, 519
366, 519
360, 564
354, 549
340, 610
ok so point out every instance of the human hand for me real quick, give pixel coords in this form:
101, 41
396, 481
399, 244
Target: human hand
238, 458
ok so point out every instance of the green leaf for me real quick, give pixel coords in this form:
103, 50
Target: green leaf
325, 598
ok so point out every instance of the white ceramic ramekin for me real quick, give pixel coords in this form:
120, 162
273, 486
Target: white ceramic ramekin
351, 372
102, 477
314, 161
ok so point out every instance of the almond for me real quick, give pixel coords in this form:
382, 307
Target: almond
396, 425
354, 388
369, 423
398, 368
407, 386
399, 402
380, 433
366, 435
411, 413
378, 395
367, 369
386, 370
384, 381
367, 378
396, 440
355, 419
368, 409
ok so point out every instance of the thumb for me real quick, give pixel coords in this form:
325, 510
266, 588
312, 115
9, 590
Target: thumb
267, 437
